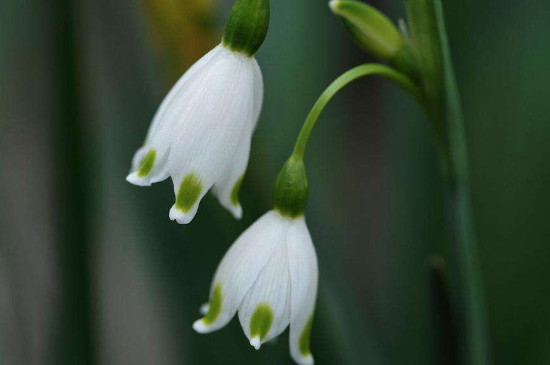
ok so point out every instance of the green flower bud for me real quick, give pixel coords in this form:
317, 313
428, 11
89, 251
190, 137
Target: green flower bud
291, 188
247, 26
375, 33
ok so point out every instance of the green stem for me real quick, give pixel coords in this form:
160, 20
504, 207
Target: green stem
470, 295
355, 73
444, 335
470, 285
432, 52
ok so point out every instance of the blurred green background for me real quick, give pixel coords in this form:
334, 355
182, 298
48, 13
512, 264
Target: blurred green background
92, 271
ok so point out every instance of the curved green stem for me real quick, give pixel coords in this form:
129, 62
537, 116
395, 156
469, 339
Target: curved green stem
370, 69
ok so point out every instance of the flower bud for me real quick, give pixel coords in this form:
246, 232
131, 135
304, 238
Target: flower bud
291, 189
247, 26
374, 32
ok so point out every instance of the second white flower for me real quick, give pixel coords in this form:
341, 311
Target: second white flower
269, 276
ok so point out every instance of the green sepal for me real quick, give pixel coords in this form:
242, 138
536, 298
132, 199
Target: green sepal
375, 33
291, 189
247, 26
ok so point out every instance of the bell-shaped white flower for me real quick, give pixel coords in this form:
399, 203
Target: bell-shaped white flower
269, 275
201, 134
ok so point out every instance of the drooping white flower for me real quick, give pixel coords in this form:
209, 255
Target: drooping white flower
201, 134
269, 276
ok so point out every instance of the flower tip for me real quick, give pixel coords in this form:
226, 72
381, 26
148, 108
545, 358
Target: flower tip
237, 212
255, 342
333, 5
235, 209
134, 179
204, 308
181, 217
307, 360
200, 327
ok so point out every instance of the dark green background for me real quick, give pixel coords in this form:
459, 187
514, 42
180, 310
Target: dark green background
93, 271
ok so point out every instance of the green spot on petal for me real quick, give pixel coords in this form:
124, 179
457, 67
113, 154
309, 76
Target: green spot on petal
235, 192
261, 321
304, 338
147, 163
215, 305
189, 192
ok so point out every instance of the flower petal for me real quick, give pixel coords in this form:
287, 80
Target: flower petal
149, 164
258, 93
215, 114
227, 189
188, 196
265, 310
304, 274
171, 100
240, 268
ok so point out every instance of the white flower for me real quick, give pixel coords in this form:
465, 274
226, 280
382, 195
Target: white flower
269, 275
201, 134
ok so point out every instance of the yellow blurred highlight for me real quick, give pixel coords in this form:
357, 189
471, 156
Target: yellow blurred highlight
182, 31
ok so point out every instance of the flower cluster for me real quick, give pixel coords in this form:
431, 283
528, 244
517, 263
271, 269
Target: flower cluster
201, 137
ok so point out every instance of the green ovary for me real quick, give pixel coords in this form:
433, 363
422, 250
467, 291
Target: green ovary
261, 321
235, 192
147, 163
304, 338
189, 192
215, 305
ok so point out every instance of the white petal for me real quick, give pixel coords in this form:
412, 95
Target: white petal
133, 176
159, 137
227, 189
258, 93
157, 172
268, 300
241, 265
216, 112
185, 216
172, 97
304, 277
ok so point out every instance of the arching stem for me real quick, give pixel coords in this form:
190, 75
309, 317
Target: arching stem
370, 69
